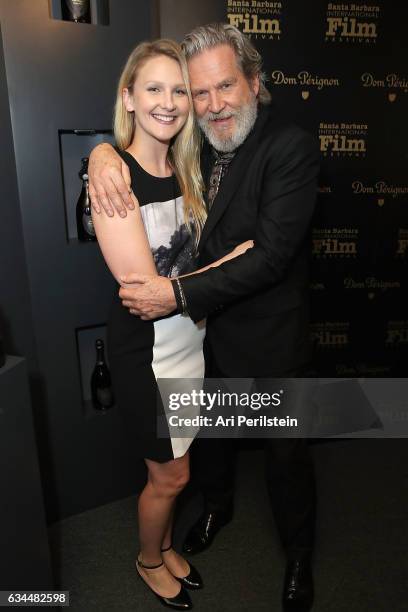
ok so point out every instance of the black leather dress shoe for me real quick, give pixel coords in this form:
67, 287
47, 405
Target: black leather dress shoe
298, 586
204, 531
193, 580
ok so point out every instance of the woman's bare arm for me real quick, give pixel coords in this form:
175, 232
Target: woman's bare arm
239, 250
124, 243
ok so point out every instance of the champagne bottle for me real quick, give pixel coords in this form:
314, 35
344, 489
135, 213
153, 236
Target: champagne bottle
76, 10
101, 386
85, 227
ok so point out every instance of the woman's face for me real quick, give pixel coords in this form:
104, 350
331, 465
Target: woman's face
159, 99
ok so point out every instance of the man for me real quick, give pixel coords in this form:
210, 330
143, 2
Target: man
260, 173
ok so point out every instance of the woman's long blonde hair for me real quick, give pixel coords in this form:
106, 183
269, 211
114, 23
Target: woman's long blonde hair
184, 150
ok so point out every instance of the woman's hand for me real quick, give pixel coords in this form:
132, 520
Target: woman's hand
241, 248
109, 181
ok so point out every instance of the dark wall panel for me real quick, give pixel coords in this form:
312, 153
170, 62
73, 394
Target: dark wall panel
15, 311
177, 17
63, 76
24, 554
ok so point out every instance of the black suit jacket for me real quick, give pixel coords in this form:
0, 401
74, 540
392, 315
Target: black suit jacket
257, 304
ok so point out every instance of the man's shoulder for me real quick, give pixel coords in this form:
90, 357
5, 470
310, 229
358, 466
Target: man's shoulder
276, 126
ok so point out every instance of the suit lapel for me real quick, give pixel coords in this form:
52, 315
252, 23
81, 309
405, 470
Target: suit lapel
232, 180
206, 163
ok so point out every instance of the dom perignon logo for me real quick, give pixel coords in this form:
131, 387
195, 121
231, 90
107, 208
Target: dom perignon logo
362, 369
256, 18
343, 139
392, 83
371, 285
352, 23
305, 81
381, 191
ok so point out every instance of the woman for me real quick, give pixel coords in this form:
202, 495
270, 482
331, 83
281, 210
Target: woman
156, 135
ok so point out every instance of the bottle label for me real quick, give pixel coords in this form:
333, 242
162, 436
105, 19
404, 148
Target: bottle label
104, 397
88, 224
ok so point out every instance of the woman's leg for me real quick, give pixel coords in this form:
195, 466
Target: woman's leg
177, 565
168, 536
156, 503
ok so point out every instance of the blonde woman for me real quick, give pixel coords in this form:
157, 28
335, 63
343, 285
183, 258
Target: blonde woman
156, 136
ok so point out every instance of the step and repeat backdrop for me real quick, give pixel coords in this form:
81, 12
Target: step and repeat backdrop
340, 70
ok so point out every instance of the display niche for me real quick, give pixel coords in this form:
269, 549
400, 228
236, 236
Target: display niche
75, 147
95, 12
96, 385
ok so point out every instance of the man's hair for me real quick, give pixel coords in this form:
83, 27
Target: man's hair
248, 58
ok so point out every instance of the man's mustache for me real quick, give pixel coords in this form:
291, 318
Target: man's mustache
222, 115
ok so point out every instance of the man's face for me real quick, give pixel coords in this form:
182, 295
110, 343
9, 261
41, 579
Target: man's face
224, 100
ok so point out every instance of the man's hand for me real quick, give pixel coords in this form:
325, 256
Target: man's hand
109, 181
150, 297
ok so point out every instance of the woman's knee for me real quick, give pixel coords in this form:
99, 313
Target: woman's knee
175, 482
181, 479
170, 479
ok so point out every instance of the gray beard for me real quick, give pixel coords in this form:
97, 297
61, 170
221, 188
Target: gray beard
245, 118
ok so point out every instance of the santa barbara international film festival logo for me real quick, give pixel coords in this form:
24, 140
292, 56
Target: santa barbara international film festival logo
256, 18
352, 23
343, 139
396, 333
401, 251
330, 334
392, 83
334, 243
381, 191
304, 80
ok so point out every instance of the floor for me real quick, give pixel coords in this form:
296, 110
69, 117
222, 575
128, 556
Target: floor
361, 560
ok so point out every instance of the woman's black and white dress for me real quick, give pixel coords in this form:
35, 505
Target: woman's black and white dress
171, 347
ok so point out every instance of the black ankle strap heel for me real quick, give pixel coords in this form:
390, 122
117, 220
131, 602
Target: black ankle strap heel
181, 601
193, 579
166, 549
140, 564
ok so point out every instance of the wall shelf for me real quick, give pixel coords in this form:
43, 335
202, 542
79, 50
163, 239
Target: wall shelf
73, 145
85, 341
99, 12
